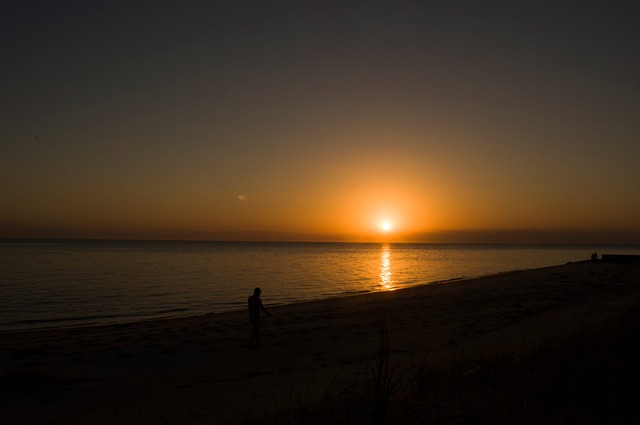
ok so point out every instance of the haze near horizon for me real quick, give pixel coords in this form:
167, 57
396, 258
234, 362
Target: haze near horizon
508, 122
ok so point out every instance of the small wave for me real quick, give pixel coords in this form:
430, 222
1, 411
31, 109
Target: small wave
453, 279
99, 319
64, 319
351, 292
169, 311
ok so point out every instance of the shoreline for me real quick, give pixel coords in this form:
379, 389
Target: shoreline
345, 295
199, 369
102, 285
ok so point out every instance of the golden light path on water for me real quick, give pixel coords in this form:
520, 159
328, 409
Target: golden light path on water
386, 280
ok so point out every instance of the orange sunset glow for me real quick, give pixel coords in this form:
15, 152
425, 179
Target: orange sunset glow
320, 123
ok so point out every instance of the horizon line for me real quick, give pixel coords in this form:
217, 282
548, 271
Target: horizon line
161, 240
442, 236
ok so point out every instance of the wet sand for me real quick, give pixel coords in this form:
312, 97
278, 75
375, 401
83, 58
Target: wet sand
200, 370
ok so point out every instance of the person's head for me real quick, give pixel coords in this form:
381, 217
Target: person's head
257, 291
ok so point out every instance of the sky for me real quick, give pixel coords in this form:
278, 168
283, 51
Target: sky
451, 121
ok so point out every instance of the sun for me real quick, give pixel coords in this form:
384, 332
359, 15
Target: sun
385, 226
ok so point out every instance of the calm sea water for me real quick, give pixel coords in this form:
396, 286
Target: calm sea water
69, 283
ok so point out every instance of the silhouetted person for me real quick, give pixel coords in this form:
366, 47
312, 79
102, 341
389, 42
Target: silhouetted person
594, 256
255, 305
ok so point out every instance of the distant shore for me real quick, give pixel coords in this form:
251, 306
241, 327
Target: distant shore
200, 369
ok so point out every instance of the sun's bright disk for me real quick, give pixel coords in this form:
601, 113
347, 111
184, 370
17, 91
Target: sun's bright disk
386, 226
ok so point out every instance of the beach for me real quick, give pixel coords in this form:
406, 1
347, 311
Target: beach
199, 370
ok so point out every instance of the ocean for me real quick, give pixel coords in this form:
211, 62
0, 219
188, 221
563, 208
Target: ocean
47, 284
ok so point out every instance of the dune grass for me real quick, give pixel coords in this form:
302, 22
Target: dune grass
589, 377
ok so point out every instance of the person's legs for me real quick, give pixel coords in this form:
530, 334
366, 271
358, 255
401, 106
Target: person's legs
255, 334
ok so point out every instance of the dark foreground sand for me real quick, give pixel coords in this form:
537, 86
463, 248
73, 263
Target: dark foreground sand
199, 370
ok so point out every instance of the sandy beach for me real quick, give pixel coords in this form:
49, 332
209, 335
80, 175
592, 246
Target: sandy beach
200, 370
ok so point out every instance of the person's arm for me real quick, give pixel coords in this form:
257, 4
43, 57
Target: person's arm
264, 309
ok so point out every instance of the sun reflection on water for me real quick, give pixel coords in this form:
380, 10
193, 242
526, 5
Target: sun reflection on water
386, 280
